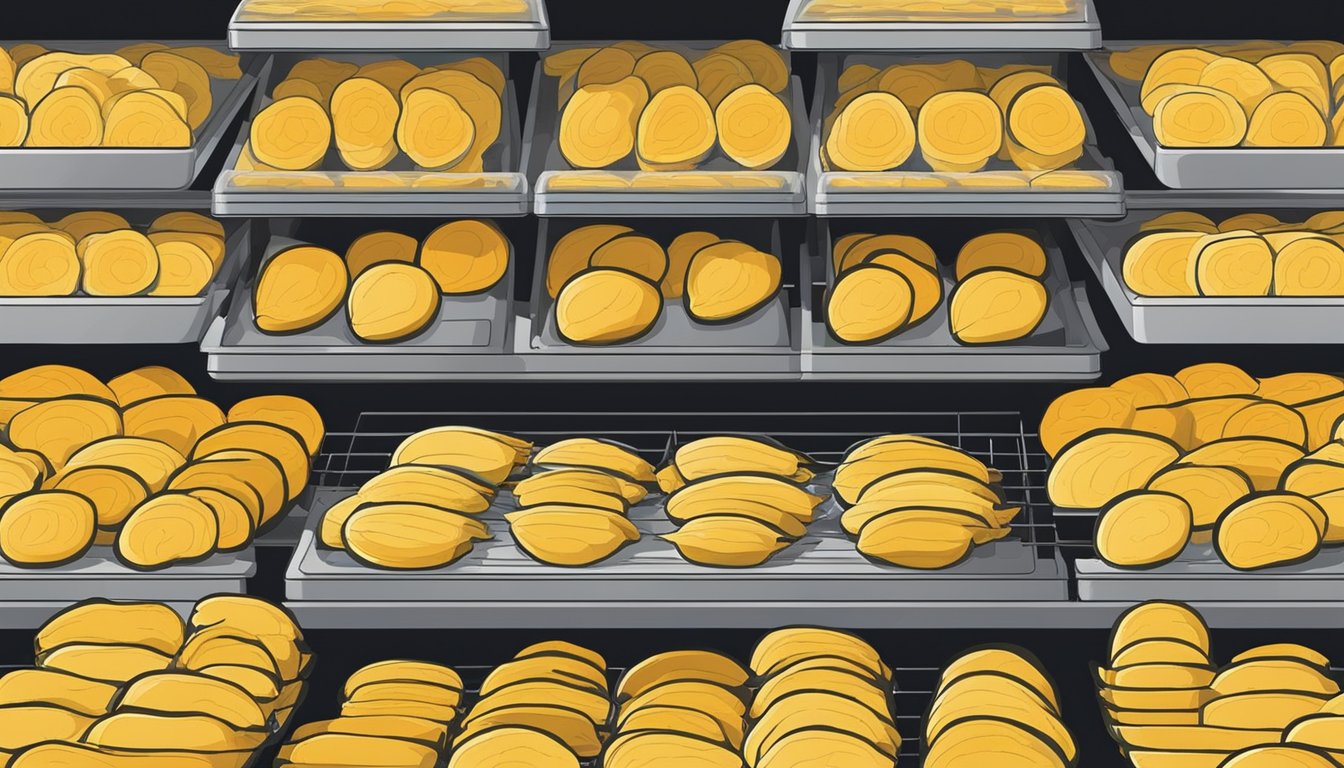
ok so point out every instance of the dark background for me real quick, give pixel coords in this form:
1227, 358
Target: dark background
1065, 652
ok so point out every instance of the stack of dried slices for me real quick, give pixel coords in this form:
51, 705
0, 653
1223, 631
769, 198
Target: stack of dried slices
390, 284
884, 285
145, 95
1183, 253
98, 253
610, 283
1254, 94
672, 110
443, 117
129, 685
1166, 703
958, 115
1210, 454
144, 465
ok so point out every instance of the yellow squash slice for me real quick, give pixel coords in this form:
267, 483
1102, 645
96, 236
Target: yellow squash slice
465, 257
874, 133
598, 126
676, 131
960, 131
730, 280
607, 306
299, 288
754, 127
292, 134
364, 122
392, 302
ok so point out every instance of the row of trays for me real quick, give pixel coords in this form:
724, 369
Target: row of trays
808, 25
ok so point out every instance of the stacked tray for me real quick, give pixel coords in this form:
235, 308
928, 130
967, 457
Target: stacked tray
829, 25
906, 191
129, 319
56, 169
269, 25
1199, 575
1206, 319
1250, 168
29, 597
1066, 346
398, 190
764, 345
821, 579
468, 340
720, 188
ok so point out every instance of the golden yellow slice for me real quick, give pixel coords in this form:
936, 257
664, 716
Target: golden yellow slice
299, 288
392, 302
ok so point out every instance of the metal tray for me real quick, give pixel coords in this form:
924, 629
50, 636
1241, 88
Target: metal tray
1225, 168
1067, 346
813, 581
527, 31
627, 191
1199, 575
762, 346
30, 596
398, 190
124, 320
1079, 30
115, 169
468, 341
1201, 319
845, 193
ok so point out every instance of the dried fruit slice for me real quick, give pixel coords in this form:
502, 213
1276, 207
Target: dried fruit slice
632, 253
598, 125
184, 77
1143, 529
66, 117
1045, 128
719, 74
730, 280
1006, 250
754, 127
1286, 119
960, 131
120, 263
13, 122
46, 529
1268, 530
377, 248
993, 306
291, 134
392, 302
607, 306
869, 304
665, 69
679, 255
1200, 118
873, 133
39, 264
169, 529
465, 257
676, 131
435, 130
571, 254
364, 122
299, 288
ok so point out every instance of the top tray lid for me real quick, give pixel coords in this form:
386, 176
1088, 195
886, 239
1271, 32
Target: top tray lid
933, 25
390, 25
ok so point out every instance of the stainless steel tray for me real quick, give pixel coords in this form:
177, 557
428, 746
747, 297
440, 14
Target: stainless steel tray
627, 191
845, 193
820, 575
116, 169
1201, 319
763, 345
1080, 30
124, 320
1228, 168
1067, 346
29, 596
1199, 575
398, 190
529, 31
468, 341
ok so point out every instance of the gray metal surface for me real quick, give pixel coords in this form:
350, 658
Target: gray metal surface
1213, 168
530, 32
762, 345
501, 190
1202, 319
844, 193
547, 169
99, 574
818, 575
117, 320
1071, 32
469, 338
23, 168
1066, 347
1199, 575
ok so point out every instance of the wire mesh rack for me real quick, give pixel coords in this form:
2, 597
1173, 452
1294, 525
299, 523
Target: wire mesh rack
997, 438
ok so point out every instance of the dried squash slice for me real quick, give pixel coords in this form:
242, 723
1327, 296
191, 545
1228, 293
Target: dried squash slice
379, 248
1245, 82
926, 281
1268, 530
1200, 118
176, 420
633, 253
299, 288
292, 134
1286, 119
1301, 73
766, 64
286, 411
1236, 263
676, 131
960, 131
185, 77
571, 253
719, 74
1184, 221
1307, 265
46, 529
58, 428
665, 69
66, 117
1143, 529
869, 304
477, 99
1080, 411
754, 127
730, 280
597, 128
114, 491
607, 66
121, 263
992, 306
1182, 66
434, 130
169, 529
859, 248
280, 442
185, 269
873, 133
39, 264
1158, 264
1045, 128
679, 254
1004, 250
465, 257
392, 302
13, 122
1102, 465
81, 224
607, 306
1209, 490
144, 119
364, 122
482, 69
